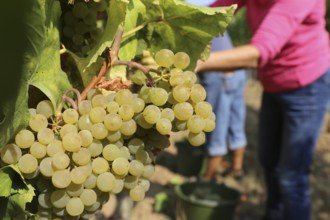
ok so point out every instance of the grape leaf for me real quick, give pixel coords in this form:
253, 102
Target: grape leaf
40, 66
14, 192
90, 65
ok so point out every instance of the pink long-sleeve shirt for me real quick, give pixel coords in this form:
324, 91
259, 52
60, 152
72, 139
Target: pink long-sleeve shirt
291, 38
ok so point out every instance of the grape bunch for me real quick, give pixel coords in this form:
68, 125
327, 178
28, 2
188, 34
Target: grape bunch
83, 25
108, 143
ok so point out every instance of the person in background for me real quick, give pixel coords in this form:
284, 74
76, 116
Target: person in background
290, 50
225, 92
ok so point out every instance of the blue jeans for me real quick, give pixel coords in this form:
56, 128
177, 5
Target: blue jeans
290, 123
225, 92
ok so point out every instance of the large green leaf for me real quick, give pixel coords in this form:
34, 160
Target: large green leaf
175, 25
89, 66
40, 64
15, 193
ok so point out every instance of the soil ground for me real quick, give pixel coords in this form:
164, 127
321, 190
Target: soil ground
121, 208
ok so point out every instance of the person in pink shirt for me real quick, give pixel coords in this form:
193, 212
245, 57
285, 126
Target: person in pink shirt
290, 50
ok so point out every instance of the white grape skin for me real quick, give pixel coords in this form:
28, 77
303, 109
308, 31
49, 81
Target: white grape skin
10, 153
37, 122
24, 139
75, 206
27, 164
45, 108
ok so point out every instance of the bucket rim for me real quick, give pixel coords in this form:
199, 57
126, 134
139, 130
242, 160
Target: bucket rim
185, 198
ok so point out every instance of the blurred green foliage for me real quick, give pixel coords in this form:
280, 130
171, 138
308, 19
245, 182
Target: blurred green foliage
327, 16
238, 29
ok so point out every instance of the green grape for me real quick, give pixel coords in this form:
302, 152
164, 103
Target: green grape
113, 122
203, 109
151, 114
168, 113
54, 147
68, 31
197, 93
144, 183
70, 116
84, 122
60, 161
97, 114
94, 207
181, 60
99, 131
181, 93
190, 77
32, 175
95, 148
90, 182
27, 164
96, 33
70, 19
74, 190
78, 175
46, 168
75, 206
137, 193
100, 165
124, 152
158, 96
91, 18
112, 107
86, 137
128, 128
183, 111
37, 122
139, 78
142, 122
80, 9
77, 39
88, 197
84, 107
45, 108
164, 126
136, 168
86, 169
114, 136
144, 94
72, 142
111, 152
44, 185
148, 171
138, 105
32, 111
82, 157
44, 200
164, 58
196, 139
68, 128
61, 178
59, 198
10, 153
130, 182
196, 124
38, 150
126, 112
120, 166
209, 125
59, 212
24, 139
134, 144
124, 96
105, 182
99, 100
142, 156
45, 136
119, 185
81, 28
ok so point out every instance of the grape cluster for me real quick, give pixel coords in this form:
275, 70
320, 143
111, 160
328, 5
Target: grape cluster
83, 25
109, 142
